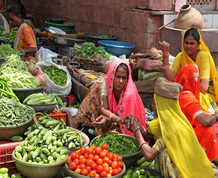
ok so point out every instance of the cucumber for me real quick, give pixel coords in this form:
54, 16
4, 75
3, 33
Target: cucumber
140, 161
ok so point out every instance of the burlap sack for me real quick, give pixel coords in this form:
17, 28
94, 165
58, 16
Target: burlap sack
149, 64
167, 89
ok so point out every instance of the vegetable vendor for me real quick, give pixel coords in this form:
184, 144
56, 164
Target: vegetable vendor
112, 100
195, 51
177, 152
202, 123
25, 37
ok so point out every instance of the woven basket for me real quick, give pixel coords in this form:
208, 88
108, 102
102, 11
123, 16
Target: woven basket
91, 64
78, 89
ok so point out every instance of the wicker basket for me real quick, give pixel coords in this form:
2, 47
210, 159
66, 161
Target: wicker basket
78, 89
91, 64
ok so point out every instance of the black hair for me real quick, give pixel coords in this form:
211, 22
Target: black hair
124, 66
17, 9
194, 33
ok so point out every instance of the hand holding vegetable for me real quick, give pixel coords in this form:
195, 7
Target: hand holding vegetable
101, 121
132, 123
164, 47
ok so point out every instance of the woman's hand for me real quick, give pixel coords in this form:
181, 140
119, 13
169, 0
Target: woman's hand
101, 121
165, 47
132, 123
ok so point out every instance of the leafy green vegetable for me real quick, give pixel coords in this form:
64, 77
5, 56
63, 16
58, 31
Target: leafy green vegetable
117, 144
90, 51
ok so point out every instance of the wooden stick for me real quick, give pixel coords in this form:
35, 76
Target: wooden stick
167, 24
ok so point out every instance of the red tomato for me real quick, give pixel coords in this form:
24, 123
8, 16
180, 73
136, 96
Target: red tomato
90, 150
99, 169
106, 169
109, 175
84, 172
96, 157
68, 159
104, 146
72, 165
74, 156
89, 162
106, 151
114, 164
92, 146
82, 161
97, 175
92, 173
97, 150
106, 159
110, 163
86, 155
83, 150
119, 158
110, 155
120, 164
76, 161
105, 165
94, 166
115, 172
91, 156
119, 169
88, 168
99, 161
102, 154
103, 174
78, 170
82, 166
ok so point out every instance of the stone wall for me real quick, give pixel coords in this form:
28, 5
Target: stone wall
130, 20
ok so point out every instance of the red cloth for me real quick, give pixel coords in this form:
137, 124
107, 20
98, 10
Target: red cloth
130, 102
188, 77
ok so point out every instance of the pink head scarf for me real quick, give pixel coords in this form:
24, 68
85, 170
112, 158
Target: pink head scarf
130, 102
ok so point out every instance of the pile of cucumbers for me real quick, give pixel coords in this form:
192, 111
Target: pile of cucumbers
41, 98
142, 171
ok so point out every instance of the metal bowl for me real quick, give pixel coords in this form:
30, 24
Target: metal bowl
14, 130
45, 108
62, 41
34, 170
22, 93
129, 160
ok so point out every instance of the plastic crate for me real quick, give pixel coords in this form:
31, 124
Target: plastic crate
6, 160
57, 115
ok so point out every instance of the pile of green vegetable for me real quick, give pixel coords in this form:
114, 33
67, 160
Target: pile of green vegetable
6, 50
40, 98
4, 173
8, 37
117, 144
64, 136
13, 112
58, 76
16, 72
5, 90
90, 51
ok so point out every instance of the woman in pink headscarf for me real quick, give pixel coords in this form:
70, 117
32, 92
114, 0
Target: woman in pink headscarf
119, 98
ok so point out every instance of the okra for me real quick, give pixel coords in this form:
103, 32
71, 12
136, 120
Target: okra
55, 155
64, 151
36, 153
18, 148
18, 155
58, 149
25, 157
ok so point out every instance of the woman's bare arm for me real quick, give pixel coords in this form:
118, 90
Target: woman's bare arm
206, 120
149, 153
204, 84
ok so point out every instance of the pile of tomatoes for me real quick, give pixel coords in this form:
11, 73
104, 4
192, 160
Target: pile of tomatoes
95, 162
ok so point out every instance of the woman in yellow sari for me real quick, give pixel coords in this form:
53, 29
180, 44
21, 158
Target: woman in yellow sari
177, 152
195, 51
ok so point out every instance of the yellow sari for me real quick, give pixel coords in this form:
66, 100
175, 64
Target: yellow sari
205, 99
180, 139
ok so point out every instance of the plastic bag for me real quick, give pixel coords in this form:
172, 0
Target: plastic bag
56, 30
46, 54
62, 91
